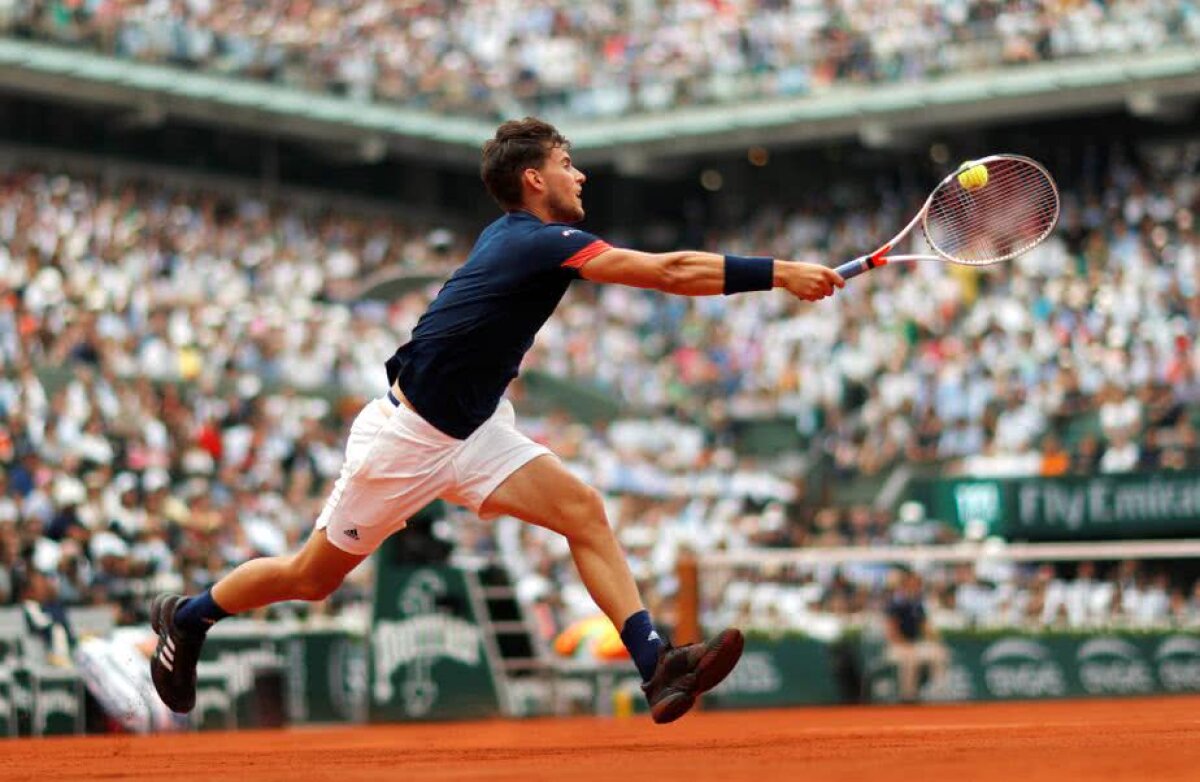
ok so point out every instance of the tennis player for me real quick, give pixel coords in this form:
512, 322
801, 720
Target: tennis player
444, 429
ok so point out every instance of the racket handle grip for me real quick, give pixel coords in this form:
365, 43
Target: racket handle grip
865, 263
853, 268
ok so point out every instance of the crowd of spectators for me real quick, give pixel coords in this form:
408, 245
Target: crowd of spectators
826, 599
981, 595
1078, 357
167, 355
505, 57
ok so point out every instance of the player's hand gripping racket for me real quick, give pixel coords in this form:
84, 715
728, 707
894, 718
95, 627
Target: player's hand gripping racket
990, 210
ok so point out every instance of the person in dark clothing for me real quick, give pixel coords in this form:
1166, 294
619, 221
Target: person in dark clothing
912, 640
46, 616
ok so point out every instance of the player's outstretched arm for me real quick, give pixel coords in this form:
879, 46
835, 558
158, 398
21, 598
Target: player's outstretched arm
690, 273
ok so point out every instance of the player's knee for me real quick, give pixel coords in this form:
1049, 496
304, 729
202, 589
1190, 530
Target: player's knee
316, 589
582, 503
311, 585
584, 511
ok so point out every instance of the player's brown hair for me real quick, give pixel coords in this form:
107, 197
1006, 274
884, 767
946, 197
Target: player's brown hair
518, 144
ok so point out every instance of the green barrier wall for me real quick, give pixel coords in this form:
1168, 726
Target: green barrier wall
794, 670
244, 647
8, 709
325, 672
1057, 665
215, 706
1012, 666
780, 671
427, 660
46, 701
58, 707
327, 676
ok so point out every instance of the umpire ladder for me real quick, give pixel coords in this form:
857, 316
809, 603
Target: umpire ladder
519, 664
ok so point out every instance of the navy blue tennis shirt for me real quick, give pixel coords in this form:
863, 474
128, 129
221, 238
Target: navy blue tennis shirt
469, 344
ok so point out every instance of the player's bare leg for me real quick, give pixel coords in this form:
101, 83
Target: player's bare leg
180, 623
312, 573
545, 493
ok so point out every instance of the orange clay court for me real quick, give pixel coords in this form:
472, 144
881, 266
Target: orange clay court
1134, 739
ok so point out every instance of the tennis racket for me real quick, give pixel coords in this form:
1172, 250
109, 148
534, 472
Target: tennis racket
979, 217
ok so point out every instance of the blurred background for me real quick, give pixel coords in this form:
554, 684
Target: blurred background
217, 220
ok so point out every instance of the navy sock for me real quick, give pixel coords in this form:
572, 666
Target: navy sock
199, 613
643, 643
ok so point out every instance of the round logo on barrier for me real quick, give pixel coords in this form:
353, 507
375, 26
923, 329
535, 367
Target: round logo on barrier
1022, 668
1111, 665
1178, 662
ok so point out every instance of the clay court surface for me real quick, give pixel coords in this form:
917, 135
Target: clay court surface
1136, 739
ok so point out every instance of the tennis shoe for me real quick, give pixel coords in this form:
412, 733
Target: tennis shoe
173, 666
685, 672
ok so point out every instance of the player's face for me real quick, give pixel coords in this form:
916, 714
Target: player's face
564, 187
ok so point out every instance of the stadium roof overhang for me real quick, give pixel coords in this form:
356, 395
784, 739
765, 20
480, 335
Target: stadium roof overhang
1144, 83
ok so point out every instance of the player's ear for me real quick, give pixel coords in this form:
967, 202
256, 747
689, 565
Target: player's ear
533, 177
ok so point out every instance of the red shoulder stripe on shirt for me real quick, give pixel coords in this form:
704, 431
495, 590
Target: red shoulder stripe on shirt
586, 254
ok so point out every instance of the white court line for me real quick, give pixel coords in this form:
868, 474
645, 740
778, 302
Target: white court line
989, 726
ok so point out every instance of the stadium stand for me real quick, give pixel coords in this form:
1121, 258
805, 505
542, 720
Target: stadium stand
595, 59
143, 451
182, 356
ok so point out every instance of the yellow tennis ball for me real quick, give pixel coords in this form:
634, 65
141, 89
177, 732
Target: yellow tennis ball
974, 177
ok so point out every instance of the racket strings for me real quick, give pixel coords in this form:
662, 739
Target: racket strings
1013, 212
1003, 217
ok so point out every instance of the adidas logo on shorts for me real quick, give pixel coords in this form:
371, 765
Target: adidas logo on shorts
352, 534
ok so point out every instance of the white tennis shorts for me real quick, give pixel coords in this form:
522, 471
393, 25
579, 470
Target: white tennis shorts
397, 463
